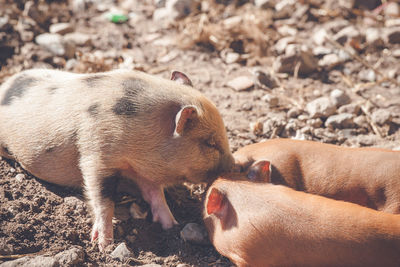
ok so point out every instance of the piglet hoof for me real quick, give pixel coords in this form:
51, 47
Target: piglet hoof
104, 238
166, 219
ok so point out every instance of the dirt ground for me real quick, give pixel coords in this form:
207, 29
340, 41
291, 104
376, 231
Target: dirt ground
276, 47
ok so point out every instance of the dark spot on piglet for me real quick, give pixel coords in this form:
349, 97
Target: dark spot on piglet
132, 87
93, 80
124, 106
17, 88
93, 110
109, 186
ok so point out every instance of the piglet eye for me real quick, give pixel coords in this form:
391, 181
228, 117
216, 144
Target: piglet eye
210, 143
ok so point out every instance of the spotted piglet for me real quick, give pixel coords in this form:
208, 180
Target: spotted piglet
89, 129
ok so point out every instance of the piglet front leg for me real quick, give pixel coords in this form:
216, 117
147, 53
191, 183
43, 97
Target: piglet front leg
154, 195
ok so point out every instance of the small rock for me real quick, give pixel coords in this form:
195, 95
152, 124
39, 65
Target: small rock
320, 51
350, 108
3, 22
266, 79
287, 64
340, 121
256, 128
293, 112
367, 75
321, 108
12, 170
136, 212
265, 3
393, 35
361, 121
373, 37
121, 252
231, 57
271, 100
78, 38
51, 42
38, 261
339, 98
392, 9
176, 9
241, 83
71, 257
61, 28
347, 33
192, 232
330, 61
286, 30
316, 123
281, 45
183, 265
319, 36
20, 177
381, 116
247, 106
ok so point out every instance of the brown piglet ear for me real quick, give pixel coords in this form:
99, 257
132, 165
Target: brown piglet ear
186, 114
181, 78
215, 201
260, 171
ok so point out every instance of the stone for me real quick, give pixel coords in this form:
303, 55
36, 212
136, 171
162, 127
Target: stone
257, 128
61, 28
78, 38
265, 3
241, 83
351, 108
393, 35
319, 36
136, 212
381, 116
339, 97
266, 79
320, 51
179, 9
340, 121
293, 112
20, 177
38, 261
71, 257
271, 100
183, 265
316, 123
4, 22
330, 61
347, 33
287, 64
55, 44
230, 57
392, 9
286, 30
121, 252
281, 45
367, 75
373, 37
321, 108
194, 233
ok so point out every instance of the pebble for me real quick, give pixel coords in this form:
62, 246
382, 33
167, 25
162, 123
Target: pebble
321, 108
367, 75
346, 34
55, 44
136, 212
20, 177
340, 121
61, 28
339, 97
319, 36
231, 57
78, 38
287, 64
352, 108
373, 37
361, 121
121, 252
266, 79
281, 45
194, 233
293, 112
316, 123
271, 100
265, 3
330, 61
257, 128
381, 116
241, 83
71, 257
393, 35
183, 265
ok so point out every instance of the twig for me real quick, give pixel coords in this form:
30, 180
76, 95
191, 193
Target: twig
17, 256
361, 60
374, 127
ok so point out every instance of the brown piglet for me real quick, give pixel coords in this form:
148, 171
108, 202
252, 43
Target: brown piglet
366, 176
90, 129
261, 224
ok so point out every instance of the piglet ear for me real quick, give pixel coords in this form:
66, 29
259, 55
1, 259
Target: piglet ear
260, 171
181, 78
183, 118
215, 201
